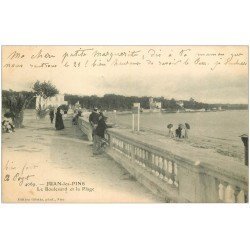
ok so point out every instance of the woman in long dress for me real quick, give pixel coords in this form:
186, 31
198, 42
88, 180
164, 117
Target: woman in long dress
59, 121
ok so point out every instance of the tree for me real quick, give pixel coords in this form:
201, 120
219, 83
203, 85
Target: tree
43, 90
15, 102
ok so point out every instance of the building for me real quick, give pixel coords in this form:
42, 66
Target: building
153, 104
54, 101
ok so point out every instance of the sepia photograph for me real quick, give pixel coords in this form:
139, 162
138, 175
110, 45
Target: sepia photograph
125, 124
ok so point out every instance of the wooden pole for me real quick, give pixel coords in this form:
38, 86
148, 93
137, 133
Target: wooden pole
138, 120
133, 122
115, 116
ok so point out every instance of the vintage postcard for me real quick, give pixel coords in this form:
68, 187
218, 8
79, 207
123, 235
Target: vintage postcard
134, 124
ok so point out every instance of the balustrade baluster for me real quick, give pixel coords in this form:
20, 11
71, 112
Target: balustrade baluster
146, 161
176, 182
165, 170
240, 197
156, 165
161, 167
237, 195
229, 194
152, 162
221, 192
170, 172
140, 156
130, 151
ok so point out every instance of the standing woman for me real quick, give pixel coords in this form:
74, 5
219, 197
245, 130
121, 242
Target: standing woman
59, 120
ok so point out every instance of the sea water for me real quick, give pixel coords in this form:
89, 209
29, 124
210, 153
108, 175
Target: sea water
219, 130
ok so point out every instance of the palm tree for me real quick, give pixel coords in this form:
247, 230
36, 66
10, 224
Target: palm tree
16, 103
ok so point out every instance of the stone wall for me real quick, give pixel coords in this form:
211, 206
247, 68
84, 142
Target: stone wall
85, 127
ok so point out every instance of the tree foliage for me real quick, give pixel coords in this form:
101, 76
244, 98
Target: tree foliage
119, 102
17, 102
10, 97
45, 89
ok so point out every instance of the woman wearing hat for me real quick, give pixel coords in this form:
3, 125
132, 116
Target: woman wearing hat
59, 121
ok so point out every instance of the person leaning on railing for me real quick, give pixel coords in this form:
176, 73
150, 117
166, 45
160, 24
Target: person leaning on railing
99, 140
93, 120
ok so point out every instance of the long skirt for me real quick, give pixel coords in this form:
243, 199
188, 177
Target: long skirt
59, 122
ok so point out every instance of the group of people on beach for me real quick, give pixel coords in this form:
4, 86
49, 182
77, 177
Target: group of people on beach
181, 132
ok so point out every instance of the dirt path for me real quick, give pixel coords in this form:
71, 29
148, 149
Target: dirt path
41, 164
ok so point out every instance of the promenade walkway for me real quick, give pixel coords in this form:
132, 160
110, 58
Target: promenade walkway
45, 165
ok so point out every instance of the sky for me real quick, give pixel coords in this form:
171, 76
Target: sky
203, 78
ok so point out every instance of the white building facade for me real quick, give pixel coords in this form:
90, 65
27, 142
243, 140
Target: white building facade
54, 102
153, 104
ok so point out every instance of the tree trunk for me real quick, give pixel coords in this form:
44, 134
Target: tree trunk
18, 120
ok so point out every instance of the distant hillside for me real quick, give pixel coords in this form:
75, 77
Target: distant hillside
120, 102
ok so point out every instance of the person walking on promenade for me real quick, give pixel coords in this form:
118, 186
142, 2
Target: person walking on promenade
51, 115
99, 139
59, 121
76, 117
93, 120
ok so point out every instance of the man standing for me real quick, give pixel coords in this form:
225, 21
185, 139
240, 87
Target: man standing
99, 135
93, 120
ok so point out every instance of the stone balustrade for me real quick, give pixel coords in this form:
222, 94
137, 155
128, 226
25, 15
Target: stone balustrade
176, 172
85, 126
175, 177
